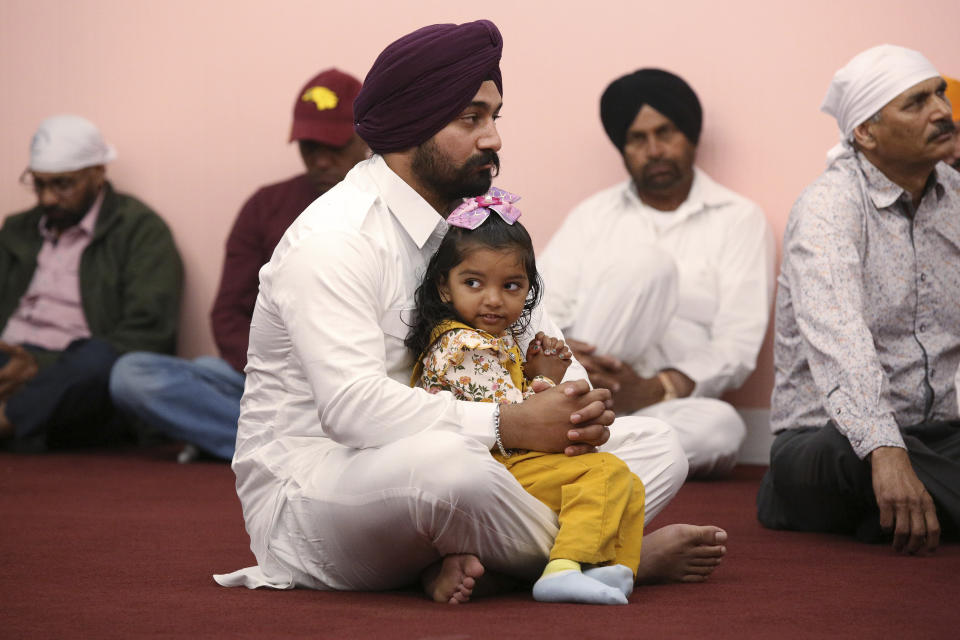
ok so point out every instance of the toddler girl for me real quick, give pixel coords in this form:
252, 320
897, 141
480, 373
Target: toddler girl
475, 301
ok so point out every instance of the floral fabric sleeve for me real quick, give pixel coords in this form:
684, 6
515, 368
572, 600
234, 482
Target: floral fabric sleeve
469, 365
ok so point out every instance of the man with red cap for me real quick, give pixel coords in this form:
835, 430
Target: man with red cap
349, 478
198, 401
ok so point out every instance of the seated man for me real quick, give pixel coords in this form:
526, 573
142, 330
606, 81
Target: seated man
663, 283
349, 478
87, 274
867, 336
198, 401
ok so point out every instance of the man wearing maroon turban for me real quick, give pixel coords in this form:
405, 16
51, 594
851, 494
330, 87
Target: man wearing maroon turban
349, 478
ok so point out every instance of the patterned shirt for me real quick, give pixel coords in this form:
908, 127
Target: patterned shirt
474, 366
868, 322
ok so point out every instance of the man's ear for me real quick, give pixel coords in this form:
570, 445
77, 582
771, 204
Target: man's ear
863, 135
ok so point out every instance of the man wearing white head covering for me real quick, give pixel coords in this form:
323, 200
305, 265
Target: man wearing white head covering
87, 274
867, 334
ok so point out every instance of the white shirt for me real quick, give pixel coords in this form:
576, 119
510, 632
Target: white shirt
326, 365
724, 252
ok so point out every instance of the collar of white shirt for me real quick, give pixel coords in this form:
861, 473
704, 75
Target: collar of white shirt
414, 214
704, 194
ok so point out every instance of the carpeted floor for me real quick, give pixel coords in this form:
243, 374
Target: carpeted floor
121, 544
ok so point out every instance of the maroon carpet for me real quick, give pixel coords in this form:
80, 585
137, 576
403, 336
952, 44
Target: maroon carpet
122, 545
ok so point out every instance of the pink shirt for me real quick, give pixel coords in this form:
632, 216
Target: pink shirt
50, 313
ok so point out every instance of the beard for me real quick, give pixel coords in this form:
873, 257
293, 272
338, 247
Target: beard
63, 217
659, 175
438, 173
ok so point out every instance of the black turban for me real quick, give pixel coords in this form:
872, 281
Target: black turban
660, 89
421, 82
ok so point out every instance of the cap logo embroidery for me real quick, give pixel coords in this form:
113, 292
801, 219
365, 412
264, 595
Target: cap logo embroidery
323, 97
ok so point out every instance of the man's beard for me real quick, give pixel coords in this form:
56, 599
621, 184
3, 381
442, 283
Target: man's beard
450, 183
61, 218
661, 181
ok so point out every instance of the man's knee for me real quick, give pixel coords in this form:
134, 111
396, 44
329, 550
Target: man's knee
448, 464
652, 450
814, 458
94, 356
726, 428
134, 375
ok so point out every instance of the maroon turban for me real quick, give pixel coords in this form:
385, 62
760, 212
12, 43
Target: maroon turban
422, 81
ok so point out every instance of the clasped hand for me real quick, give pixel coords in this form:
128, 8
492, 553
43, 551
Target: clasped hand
19, 369
571, 417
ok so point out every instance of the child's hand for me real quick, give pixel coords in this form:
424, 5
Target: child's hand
548, 357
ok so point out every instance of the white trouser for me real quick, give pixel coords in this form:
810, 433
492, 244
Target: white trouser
373, 519
624, 308
710, 432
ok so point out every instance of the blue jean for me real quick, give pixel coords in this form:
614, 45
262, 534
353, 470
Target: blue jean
196, 401
67, 404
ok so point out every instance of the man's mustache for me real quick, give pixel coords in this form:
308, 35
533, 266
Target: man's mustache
942, 126
482, 158
660, 164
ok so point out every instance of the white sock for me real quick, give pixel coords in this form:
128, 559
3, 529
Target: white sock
573, 586
618, 576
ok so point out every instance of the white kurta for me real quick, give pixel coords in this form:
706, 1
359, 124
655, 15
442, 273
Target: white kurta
689, 289
349, 478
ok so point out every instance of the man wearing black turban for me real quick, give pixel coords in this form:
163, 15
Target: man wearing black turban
672, 294
349, 478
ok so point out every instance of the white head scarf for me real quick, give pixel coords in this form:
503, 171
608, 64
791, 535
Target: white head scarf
67, 143
868, 82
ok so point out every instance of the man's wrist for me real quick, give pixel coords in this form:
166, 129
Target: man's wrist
669, 389
496, 431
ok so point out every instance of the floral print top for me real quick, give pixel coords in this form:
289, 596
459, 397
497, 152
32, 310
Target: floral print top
473, 365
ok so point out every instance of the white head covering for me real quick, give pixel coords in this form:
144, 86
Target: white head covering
872, 79
67, 143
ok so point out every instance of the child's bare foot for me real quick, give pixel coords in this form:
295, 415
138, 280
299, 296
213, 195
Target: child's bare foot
452, 579
681, 553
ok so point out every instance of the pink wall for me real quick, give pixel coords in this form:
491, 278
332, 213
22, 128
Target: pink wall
196, 95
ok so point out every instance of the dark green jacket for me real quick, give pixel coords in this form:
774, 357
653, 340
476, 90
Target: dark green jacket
131, 276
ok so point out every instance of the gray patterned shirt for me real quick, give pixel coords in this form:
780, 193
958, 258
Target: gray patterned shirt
867, 330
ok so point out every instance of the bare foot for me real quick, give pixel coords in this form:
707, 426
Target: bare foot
452, 579
681, 553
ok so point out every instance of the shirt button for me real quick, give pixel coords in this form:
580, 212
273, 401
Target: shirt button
923, 277
838, 411
923, 328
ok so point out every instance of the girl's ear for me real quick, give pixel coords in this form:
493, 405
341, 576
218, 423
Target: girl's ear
444, 290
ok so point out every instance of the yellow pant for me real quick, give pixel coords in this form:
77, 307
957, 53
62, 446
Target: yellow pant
599, 503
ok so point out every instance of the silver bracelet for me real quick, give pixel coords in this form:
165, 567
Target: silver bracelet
496, 431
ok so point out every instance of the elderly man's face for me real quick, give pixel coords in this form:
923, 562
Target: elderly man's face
327, 165
66, 197
657, 154
915, 127
459, 160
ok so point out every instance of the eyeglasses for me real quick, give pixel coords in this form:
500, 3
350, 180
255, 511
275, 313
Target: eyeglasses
61, 185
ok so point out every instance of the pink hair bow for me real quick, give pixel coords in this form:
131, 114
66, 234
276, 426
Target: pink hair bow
474, 211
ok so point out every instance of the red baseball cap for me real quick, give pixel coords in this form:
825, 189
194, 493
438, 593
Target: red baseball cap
324, 108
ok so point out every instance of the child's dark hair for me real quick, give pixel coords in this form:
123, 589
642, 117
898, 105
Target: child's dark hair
495, 234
